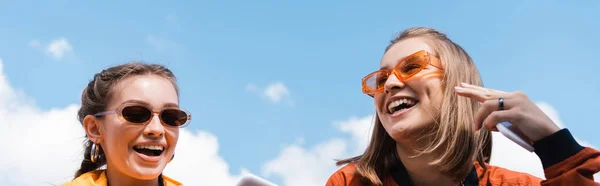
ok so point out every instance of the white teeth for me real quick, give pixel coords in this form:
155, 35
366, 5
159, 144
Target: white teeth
396, 103
150, 147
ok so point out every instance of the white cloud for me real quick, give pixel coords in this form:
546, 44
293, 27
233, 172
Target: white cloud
252, 179
360, 130
58, 49
507, 154
40, 146
275, 92
197, 161
313, 166
44, 147
299, 167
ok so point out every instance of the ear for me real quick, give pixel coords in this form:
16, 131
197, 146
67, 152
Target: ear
93, 128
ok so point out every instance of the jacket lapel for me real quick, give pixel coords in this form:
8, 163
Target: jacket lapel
400, 176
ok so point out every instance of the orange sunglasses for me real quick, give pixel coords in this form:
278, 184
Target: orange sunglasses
404, 69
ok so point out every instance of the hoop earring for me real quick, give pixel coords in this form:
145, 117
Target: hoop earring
172, 158
94, 151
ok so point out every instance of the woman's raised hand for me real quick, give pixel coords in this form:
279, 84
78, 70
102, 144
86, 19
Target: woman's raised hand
514, 107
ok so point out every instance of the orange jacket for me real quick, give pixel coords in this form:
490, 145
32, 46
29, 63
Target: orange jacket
566, 163
98, 178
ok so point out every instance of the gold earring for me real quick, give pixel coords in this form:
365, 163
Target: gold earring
94, 152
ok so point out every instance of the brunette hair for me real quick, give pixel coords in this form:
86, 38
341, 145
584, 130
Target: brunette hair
97, 95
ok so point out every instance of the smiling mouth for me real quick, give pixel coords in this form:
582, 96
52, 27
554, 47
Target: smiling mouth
401, 104
149, 150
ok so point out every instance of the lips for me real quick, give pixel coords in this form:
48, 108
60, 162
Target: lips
398, 104
149, 150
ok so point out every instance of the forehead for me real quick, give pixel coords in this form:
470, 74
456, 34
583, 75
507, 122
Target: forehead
153, 90
402, 49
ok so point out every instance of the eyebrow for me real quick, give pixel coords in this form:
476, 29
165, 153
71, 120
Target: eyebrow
384, 68
146, 103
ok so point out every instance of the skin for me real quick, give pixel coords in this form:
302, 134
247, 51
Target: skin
425, 86
519, 110
422, 86
118, 137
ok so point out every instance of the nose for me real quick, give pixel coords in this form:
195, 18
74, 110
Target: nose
154, 128
393, 83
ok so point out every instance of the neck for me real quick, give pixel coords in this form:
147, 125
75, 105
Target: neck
116, 178
418, 168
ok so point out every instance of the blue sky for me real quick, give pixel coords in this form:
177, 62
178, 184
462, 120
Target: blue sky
319, 50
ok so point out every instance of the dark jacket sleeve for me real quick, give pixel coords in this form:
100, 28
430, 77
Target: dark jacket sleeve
566, 162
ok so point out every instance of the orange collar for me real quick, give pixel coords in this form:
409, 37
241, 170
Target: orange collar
98, 178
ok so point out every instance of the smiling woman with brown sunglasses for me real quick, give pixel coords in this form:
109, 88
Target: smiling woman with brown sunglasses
433, 122
131, 117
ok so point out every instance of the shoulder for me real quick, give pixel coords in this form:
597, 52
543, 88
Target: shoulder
345, 176
92, 178
171, 182
498, 175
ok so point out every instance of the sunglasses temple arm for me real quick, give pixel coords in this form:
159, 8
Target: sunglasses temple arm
105, 113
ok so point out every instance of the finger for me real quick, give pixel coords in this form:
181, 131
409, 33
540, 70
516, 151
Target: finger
487, 107
497, 117
511, 116
466, 85
480, 95
473, 94
482, 89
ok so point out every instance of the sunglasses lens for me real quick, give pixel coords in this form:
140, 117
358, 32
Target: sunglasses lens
174, 117
136, 114
376, 80
412, 66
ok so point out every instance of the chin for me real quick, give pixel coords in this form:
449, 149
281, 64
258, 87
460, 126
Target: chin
146, 173
403, 132
407, 128
147, 170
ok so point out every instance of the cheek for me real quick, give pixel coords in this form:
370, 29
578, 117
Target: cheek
435, 92
378, 101
116, 139
430, 88
121, 133
112, 129
432, 95
172, 136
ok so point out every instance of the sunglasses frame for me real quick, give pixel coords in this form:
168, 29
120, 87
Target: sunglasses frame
119, 112
430, 58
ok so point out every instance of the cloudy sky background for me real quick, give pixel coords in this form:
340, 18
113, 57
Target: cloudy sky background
274, 86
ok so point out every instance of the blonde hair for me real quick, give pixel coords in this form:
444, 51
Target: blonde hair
454, 141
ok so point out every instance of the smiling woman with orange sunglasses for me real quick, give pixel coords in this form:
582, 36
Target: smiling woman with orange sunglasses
131, 117
433, 122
